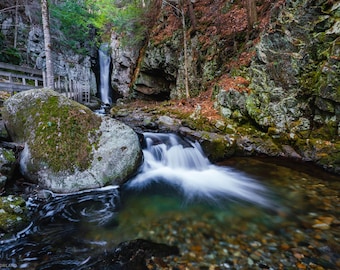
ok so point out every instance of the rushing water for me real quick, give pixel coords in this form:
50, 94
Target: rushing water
246, 213
104, 64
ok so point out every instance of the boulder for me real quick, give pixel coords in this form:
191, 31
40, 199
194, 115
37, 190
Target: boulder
68, 147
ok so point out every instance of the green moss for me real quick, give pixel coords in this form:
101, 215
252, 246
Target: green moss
59, 133
200, 123
217, 148
13, 213
9, 155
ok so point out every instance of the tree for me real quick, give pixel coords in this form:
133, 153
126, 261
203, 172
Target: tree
72, 24
16, 24
184, 28
251, 13
181, 11
48, 44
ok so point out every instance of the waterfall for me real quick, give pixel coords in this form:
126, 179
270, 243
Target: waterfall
182, 164
104, 64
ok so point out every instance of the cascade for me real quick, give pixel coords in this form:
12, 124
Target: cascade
182, 164
104, 64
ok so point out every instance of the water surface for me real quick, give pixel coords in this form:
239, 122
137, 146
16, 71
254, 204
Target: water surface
287, 217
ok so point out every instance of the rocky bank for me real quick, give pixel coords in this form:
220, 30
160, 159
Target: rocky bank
276, 87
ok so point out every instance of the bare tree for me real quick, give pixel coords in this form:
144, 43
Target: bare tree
180, 10
48, 44
192, 16
184, 28
16, 24
251, 13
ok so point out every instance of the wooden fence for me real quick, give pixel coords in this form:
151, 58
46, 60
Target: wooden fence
15, 79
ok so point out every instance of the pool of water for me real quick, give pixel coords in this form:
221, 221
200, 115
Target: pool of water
299, 229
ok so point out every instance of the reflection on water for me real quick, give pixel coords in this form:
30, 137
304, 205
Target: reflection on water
300, 232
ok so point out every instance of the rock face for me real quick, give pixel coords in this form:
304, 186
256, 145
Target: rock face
68, 147
25, 28
295, 75
159, 69
75, 67
288, 101
124, 61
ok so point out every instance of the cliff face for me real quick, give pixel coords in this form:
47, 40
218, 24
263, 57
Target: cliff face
284, 72
290, 59
22, 43
281, 77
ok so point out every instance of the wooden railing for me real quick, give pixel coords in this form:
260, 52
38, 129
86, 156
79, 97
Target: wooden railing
15, 79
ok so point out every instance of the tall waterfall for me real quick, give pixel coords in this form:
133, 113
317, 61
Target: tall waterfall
104, 63
182, 164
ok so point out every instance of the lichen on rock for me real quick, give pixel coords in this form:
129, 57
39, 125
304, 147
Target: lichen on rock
67, 146
50, 123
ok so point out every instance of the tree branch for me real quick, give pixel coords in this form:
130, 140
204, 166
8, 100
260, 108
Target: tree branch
9, 8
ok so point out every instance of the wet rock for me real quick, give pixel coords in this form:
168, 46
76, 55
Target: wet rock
132, 255
13, 214
7, 166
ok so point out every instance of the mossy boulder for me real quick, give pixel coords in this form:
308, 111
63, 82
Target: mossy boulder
67, 146
13, 214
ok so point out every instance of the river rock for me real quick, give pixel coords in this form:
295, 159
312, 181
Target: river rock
68, 147
7, 166
130, 255
13, 213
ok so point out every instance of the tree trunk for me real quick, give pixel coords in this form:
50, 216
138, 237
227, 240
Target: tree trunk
251, 13
48, 45
16, 24
186, 76
192, 17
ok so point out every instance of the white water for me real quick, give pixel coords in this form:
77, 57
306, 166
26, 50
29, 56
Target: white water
182, 164
104, 65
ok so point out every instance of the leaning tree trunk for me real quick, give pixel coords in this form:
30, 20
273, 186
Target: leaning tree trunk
48, 44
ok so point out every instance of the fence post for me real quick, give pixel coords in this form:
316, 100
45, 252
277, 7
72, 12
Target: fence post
44, 78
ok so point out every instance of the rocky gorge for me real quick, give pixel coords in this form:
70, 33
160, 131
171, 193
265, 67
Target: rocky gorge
276, 92
275, 89
272, 92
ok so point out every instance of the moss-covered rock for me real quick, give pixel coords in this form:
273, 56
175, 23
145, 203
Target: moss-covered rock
13, 214
49, 123
67, 146
8, 164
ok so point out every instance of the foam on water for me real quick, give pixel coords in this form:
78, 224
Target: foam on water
182, 164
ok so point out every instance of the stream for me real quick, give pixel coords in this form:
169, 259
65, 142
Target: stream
243, 213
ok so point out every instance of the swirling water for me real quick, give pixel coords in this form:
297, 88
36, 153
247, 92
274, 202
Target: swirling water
286, 218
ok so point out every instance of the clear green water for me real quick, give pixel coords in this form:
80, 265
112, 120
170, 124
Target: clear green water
300, 231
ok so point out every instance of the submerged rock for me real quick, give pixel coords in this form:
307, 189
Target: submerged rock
131, 255
67, 146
